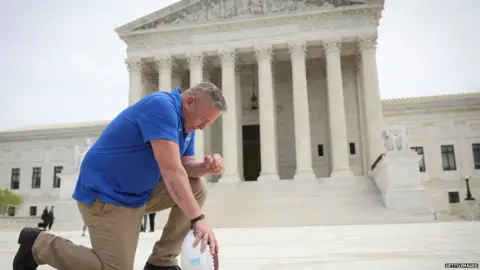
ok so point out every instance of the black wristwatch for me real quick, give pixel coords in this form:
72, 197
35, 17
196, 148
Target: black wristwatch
193, 221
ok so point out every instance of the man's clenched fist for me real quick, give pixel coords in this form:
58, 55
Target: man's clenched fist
214, 163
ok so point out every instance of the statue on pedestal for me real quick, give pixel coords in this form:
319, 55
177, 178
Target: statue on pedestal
79, 152
395, 138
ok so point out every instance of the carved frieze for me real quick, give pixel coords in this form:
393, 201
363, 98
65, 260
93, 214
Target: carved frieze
214, 10
261, 28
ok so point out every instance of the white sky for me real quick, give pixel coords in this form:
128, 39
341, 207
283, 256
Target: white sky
61, 61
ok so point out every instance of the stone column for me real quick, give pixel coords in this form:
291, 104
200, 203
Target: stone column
134, 67
195, 62
207, 131
239, 114
268, 132
336, 114
177, 78
301, 112
361, 112
371, 98
229, 118
164, 64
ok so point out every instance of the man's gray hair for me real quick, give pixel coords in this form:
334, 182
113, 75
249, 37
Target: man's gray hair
212, 91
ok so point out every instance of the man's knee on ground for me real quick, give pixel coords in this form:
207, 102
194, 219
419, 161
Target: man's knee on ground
199, 188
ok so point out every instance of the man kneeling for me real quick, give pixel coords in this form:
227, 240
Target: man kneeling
119, 182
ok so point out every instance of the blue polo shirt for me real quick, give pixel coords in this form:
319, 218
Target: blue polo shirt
120, 167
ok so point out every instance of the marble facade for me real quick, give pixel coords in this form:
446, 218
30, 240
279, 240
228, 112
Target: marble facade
312, 68
320, 47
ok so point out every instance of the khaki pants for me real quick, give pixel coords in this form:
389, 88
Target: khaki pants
114, 232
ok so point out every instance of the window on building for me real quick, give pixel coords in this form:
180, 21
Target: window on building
15, 179
476, 155
11, 211
421, 162
33, 211
36, 177
448, 158
320, 150
352, 148
56, 178
453, 197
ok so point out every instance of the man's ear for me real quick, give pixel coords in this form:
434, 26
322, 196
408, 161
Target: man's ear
190, 100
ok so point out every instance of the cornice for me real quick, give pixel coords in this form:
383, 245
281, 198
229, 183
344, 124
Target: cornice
51, 133
317, 18
128, 29
429, 110
430, 104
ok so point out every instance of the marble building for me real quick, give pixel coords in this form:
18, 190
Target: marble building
300, 79
280, 51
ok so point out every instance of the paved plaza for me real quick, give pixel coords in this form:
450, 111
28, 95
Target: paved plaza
392, 246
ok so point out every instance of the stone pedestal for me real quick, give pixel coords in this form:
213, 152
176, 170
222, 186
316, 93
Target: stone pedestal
398, 179
67, 215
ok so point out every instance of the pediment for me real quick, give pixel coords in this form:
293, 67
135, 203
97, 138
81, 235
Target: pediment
201, 11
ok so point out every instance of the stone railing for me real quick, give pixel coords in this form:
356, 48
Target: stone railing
16, 223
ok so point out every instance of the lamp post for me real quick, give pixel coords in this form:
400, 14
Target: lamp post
469, 193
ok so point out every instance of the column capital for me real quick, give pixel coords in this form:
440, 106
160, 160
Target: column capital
227, 56
148, 73
239, 66
333, 46
164, 61
207, 64
297, 48
176, 70
367, 43
195, 59
133, 64
263, 51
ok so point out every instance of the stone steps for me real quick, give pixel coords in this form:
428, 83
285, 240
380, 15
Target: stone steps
286, 203
312, 202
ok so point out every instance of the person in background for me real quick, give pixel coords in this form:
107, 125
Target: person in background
84, 229
151, 216
44, 217
51, 218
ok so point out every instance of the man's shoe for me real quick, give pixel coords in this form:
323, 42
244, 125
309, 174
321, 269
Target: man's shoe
24, 258
153, 267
